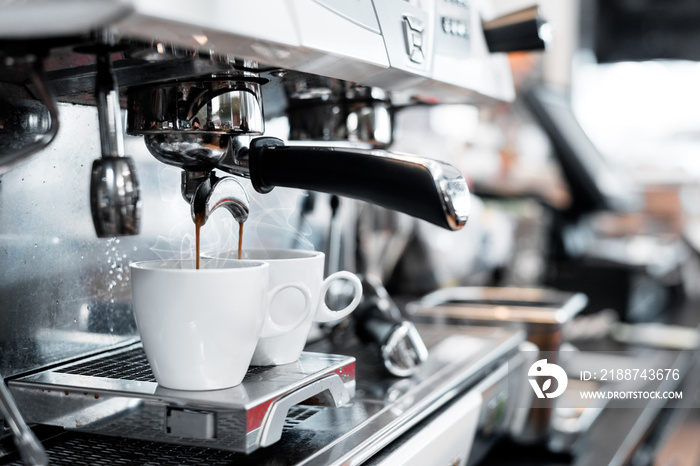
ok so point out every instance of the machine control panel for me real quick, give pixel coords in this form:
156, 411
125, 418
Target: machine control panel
407, 32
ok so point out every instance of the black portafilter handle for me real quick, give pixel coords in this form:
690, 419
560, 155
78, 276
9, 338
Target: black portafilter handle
379, 322
424, 188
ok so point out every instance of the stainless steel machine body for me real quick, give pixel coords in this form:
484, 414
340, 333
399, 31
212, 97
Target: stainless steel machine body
65, 294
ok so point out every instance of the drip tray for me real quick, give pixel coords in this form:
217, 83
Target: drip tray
116, 394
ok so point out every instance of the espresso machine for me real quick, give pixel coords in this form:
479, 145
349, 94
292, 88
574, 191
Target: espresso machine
146, 87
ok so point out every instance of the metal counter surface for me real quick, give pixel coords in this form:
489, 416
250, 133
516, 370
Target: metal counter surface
626, 435
383, 409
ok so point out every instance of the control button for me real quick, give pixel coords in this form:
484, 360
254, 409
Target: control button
413, 35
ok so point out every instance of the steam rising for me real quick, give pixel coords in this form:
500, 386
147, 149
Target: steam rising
274, 222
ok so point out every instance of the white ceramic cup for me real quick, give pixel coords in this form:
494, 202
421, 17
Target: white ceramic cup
308, 268
199, 328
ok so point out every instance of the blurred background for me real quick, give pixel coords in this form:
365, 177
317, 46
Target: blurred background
589, 180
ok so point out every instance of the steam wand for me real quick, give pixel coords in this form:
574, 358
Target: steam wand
378, 320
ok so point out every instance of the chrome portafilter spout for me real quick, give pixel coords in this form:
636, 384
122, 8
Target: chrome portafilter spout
114, 189
206, 192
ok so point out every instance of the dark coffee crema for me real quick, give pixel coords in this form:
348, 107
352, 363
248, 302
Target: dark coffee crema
198, 222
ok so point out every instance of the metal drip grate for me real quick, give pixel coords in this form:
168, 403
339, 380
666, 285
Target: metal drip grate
84, 449
129, 365
115, 394
79, 449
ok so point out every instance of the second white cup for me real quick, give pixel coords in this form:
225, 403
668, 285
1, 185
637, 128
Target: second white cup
306, 267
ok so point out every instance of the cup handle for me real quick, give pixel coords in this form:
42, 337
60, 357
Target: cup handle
272, 328
323, 312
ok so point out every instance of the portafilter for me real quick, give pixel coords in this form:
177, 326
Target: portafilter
215, 123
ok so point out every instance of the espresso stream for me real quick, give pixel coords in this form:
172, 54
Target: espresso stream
199, 221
